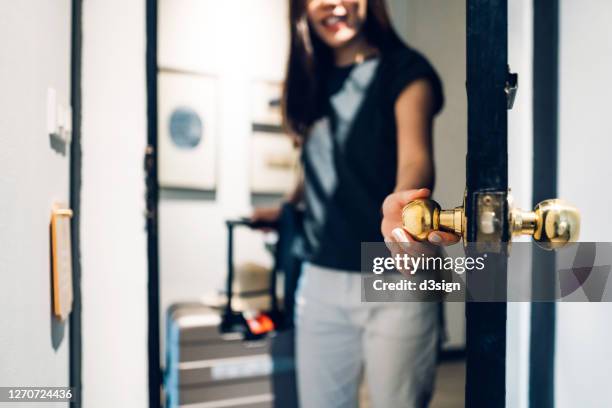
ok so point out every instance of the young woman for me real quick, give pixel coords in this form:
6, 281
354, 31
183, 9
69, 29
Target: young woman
361, 104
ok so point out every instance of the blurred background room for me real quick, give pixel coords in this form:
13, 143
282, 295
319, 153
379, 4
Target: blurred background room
156, 121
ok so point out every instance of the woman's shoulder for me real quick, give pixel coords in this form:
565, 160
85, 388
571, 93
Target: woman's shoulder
404, 60
403, 53
403, 65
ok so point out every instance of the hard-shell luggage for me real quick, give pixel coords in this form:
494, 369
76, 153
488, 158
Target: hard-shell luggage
213, 360
207, 368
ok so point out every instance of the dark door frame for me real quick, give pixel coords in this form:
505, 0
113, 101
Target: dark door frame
487, 171
545, 141
487, 179
75, 339
152, 214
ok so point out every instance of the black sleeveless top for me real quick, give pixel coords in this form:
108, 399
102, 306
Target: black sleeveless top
350, 155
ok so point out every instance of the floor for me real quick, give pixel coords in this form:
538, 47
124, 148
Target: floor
450, 383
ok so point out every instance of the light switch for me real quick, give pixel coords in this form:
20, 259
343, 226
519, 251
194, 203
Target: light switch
51, 111
59, 117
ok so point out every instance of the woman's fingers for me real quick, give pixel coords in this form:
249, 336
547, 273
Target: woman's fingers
402, 243
265, 215
404, 197
397, 201
392, 209
400, 235
409, 245
442, 238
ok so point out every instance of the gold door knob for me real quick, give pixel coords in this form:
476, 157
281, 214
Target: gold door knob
552, 223
422, 216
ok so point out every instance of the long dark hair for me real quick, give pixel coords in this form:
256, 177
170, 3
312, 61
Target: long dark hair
310, 59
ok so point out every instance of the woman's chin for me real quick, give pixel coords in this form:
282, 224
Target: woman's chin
340, 39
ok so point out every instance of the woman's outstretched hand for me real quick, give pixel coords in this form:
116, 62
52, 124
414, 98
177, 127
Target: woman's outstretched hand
392, 229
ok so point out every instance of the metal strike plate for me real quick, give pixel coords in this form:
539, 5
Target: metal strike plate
491, 210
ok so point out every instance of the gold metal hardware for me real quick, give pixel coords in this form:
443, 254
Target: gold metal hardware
422, 216
490, 209
61, 260
552, 223
62, 212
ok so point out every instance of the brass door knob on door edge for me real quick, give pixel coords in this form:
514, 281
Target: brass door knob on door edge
422, 216
552, 224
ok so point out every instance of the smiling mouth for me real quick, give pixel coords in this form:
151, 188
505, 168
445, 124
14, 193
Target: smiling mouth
334, 22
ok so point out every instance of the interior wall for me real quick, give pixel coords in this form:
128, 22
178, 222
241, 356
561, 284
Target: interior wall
583, 333
113, 239
35, 40
193, 37
437, 29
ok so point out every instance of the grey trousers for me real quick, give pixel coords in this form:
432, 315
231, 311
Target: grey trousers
339, 338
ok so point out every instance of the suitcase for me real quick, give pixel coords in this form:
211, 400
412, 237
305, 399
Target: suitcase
213, 361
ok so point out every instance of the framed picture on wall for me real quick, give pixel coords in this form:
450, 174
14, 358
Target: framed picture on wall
274, 159
187, 131
274, 163
266, 105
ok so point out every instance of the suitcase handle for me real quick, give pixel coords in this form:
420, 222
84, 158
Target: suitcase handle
229, 315
247, 222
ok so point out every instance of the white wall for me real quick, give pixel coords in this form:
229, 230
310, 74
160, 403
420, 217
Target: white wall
584, 335
194, 35
114, 260
35, 44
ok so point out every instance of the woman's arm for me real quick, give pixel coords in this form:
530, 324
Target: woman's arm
415, 170
271, 214
414, 119
297, 195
